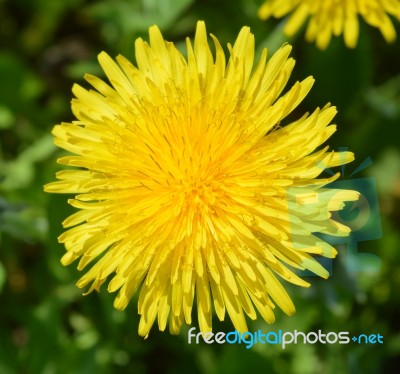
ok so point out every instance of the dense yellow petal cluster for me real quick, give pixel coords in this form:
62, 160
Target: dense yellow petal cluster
188, 188
334, 17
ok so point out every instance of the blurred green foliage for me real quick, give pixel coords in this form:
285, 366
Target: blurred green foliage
46, 326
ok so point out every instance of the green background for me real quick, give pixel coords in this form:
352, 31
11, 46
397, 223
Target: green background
47, 326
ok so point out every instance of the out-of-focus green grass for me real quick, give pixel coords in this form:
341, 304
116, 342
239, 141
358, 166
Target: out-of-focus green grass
46, 326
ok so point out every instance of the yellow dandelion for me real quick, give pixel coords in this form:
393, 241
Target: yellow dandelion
335, 17
189, 190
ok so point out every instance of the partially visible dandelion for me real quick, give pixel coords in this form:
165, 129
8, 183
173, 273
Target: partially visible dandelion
334, 17
188, 190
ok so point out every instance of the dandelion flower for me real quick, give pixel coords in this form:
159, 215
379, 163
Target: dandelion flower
188, 189
335, 17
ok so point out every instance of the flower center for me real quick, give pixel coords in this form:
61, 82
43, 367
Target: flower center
201, 194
